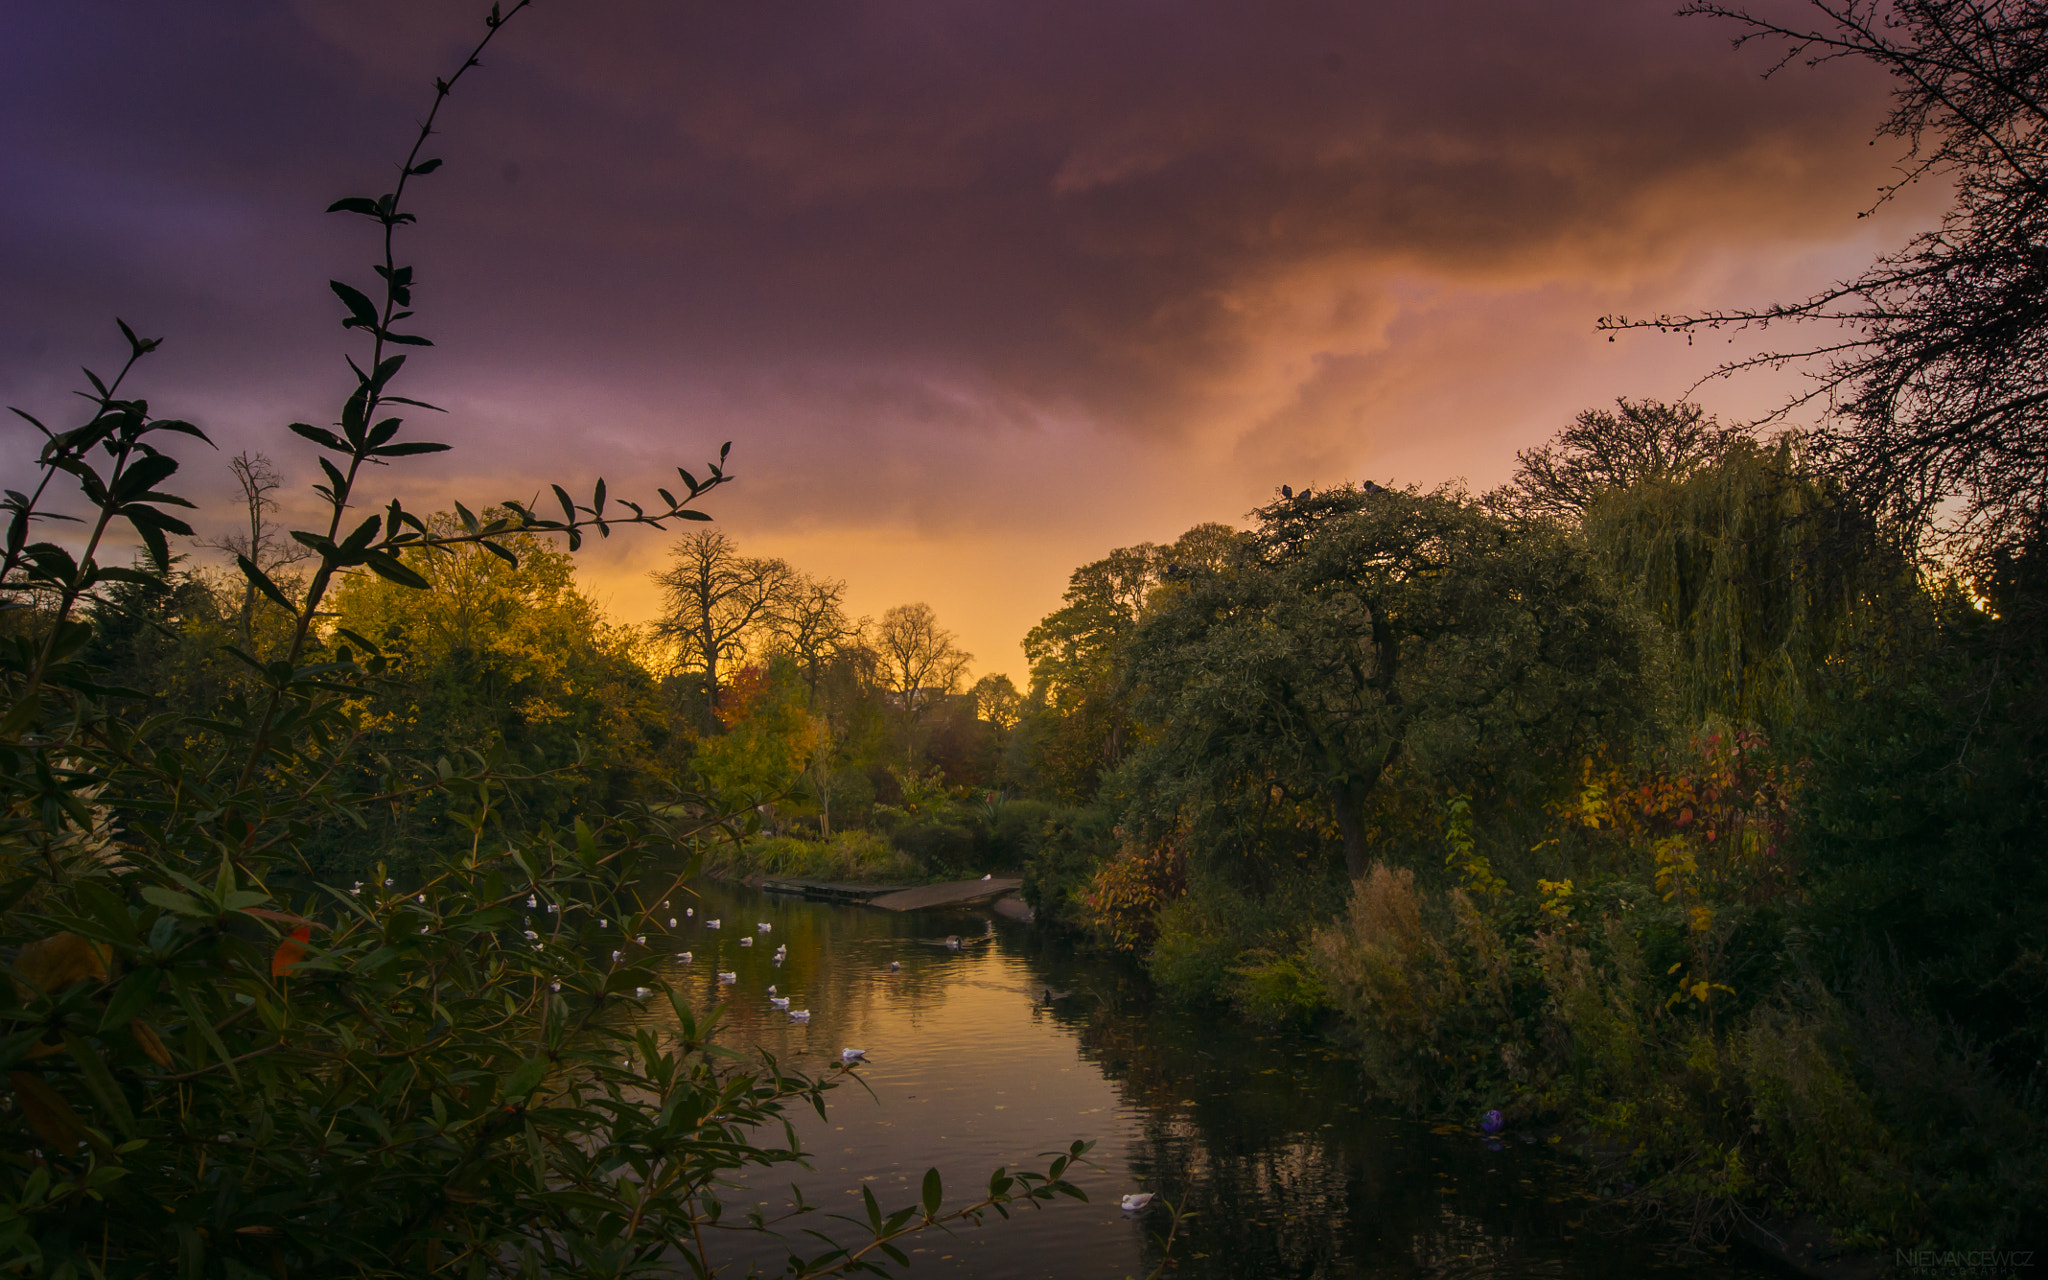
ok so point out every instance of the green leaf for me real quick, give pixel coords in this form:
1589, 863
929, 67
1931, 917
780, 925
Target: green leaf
388, 566
183, 904
356, 204
131, 997
362, 314
523, 1079
933, 1193
99, 1082
262, 582
321, 436
409, 448
867, 1197
425, 166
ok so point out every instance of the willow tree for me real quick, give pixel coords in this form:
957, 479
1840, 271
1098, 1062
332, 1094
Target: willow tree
1765, 577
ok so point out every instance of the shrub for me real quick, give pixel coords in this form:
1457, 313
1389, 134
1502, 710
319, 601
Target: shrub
1072, 844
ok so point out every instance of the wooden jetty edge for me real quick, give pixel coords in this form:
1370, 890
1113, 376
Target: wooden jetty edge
956, 893
828, 891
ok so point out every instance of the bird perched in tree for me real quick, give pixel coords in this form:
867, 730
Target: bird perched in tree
1287, 491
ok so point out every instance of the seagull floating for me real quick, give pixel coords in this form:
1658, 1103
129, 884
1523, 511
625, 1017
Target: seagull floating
800, 1015
780, 1002
616, 955
894, 965
531, 935
990, 876
671, 922
726, 978
746, 942
603, 923
690, 911
640, 939
1136, 1202
685, 956
641, 993
711, 924
764, 927
953, 942
356, 892
387, 882
771, 988
852, 1055
529, 898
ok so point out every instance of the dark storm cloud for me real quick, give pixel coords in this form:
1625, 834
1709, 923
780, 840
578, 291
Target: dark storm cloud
919, 257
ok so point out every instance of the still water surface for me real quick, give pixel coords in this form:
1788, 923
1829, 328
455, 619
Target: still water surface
1269, 1138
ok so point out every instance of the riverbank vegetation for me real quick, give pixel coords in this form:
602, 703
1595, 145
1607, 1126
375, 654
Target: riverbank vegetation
1682, 795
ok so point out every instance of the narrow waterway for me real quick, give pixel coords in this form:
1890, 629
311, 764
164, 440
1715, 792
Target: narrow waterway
1268, 1138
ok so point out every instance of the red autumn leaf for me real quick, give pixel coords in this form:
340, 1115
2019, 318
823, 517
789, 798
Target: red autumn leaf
290, 951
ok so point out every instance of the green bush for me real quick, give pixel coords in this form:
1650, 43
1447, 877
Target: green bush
940, 848
1072, 845
859, 857
1011, 833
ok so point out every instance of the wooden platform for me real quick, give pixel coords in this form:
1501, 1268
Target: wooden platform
828, 891
956, 893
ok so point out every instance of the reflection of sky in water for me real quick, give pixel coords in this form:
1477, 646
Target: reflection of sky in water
1289, 1172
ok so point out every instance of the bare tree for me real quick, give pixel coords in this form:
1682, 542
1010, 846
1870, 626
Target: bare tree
919, 661
1931, 368
811, 625
265, 544
719, 602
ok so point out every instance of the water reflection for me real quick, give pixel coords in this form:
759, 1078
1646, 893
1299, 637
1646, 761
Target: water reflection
1267, 1138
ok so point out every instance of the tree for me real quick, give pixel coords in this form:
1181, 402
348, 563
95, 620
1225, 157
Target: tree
1080, 722
1764, 576
919, 662
718, 603
810, 624
265, 544
1602, 452
1359, 629
997, 701
769, 740
1932, 380
502, 655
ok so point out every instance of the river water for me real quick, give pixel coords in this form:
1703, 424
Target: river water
1268, 1138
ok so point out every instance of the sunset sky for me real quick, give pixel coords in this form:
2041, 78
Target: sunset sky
977, 291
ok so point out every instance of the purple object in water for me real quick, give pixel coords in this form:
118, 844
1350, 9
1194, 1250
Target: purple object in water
1492, 1123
